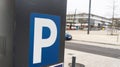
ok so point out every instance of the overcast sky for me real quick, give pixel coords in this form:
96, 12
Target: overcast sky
99, 7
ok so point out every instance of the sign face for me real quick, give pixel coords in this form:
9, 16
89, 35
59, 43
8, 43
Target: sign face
44, 40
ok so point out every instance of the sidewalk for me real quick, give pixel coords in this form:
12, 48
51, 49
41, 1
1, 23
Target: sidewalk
96, 38
90, 60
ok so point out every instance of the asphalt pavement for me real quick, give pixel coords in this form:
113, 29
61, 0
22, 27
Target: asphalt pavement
110, 52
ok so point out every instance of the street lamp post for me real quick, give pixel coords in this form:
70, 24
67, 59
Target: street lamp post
88, 31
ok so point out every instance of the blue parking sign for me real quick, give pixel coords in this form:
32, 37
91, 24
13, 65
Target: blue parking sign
44, 40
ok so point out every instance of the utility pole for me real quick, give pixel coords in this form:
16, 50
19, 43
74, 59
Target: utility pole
88, 31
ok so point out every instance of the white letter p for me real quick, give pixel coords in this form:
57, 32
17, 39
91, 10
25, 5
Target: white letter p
39, 43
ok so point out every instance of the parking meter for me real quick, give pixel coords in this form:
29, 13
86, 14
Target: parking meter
39, 33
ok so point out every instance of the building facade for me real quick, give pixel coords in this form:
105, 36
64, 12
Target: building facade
80, 21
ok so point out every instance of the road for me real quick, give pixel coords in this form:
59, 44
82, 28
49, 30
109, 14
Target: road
114, 53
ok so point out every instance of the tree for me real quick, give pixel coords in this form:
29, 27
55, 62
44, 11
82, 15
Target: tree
117, 22
81, 21
113, 14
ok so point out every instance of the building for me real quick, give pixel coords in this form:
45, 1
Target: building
80, 21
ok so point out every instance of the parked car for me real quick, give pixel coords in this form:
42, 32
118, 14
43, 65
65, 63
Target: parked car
68, 36
73, 27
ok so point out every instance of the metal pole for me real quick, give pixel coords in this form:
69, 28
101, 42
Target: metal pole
88, 31
73, 61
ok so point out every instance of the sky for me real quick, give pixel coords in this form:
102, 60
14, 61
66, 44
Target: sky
99, 7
